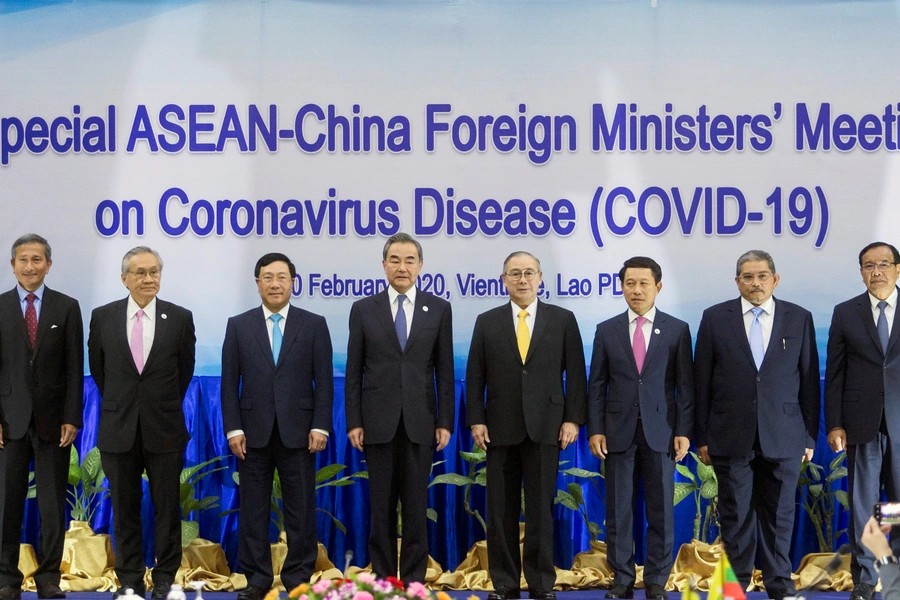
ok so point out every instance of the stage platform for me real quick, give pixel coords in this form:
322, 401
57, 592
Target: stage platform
462, 595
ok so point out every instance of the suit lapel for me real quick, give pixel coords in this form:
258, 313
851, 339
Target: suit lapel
291, 328
622, 332
48, 312
895, 331
781, 319
120, 324
659, 325
260, 329
13, 306
383, 314
162, 329
540, 324
736, 319
419, 315
508, 327
864, 308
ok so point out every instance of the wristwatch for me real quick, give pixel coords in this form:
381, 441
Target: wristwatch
890, 559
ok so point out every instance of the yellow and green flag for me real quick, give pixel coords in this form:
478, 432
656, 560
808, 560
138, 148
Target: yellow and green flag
724, 584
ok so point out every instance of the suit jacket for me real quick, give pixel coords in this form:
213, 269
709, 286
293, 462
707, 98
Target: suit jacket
298, 391
662, 393
858, 375
516, 400
735, 401
46, 381
153, 397
382, 382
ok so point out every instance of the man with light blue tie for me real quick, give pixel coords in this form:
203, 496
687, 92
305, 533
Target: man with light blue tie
756, 370
862, 398
277, 396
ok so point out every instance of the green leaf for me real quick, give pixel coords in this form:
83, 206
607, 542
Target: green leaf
593, 529
432, 514
576, 472
74, 470
476, 456
189, 472
566, 499
837, 461
685, 472
328, 471
91, 465
236, 477
361, 475
683, 490
32, 493
838, 473
336, 483
816, 489
189, 532
709, 489
575, 492
842, 497
481, 479
705, 472
334, 520
186, 490
450, 479
225, 513
208, 502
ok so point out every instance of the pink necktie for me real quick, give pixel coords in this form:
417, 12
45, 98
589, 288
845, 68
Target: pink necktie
137, 341
638, 345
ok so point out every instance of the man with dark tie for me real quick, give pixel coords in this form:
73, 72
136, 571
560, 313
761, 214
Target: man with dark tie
141, 354
757, 417
400, 403
862, 398
277, 395
41, 391
525, 395
640, 419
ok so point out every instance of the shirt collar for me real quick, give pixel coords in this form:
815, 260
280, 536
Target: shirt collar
410, 295
283, 312
891, 300
531, 309
650, 315
768, 306
149, 310
23, 293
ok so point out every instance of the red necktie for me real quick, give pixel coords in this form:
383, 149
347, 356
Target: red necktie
31, 319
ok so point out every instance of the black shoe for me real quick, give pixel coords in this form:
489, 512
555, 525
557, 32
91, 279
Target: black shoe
251, 592
621, 591
656, 592
862, 591
138, 590
161, 590
8, 592
542, 595
504, 593
49, 591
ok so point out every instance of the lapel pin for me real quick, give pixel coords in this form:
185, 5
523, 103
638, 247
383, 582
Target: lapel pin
53, 327
425, 308
656, 331
163, 316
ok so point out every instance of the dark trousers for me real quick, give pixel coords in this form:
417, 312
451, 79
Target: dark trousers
869, 465
623, 469
756, 510
506, 468
399, 470
51, 471
124, 470
297, 473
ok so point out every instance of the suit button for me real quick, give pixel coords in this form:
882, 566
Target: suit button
754, 401
640, 382
758, 378
276, 377
635, 403
524, 371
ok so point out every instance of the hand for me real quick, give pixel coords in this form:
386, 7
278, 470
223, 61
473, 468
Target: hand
67, 435
703, 453
597, 444
480, 436
873, 538
568, 433
807, 456
441, 438
317, 441
837, 439
238, 445
682, 445
356, 436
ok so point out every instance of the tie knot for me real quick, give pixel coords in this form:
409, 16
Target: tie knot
523, 313
641, 320
401, 299
882, 305
756, 311
276, 317
31, 298
140, 313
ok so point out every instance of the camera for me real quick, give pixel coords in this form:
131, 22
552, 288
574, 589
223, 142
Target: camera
887, 513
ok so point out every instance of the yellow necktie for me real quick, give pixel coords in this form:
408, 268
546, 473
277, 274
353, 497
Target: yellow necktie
522, 336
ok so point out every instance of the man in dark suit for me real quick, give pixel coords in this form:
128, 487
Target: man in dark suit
862, 398
522, 411
41, 391
141, 354
757, 374
400, 403
640, 419
277, 395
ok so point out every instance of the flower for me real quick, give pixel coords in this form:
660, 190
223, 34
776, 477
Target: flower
417, 590
363, 596
396, 582
321, 585
366, 578
272, 595
444, 596
300, 589
361, 586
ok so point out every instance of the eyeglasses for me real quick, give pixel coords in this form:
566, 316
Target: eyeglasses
881, 266
527, 274
142, 273
749, 278
267, 279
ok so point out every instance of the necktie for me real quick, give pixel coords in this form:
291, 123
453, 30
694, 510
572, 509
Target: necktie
137, 340
883, 333
522, 336
756, 337
276, 337
639, 344
31, 319
400, 322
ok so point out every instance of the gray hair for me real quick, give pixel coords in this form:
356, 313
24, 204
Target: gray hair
31, 238
521, 253
754, 255
401, 238
126, 260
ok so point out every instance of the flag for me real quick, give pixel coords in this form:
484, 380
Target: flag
724, 584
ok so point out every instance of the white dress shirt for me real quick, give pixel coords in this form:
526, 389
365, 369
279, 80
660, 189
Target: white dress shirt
647, 327
529, 319
766, 318
888, 310
409, 307
149, 322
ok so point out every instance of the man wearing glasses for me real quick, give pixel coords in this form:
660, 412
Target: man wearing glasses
862, 398
757, 417
525, 391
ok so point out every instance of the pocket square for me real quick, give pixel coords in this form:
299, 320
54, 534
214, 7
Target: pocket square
53, 327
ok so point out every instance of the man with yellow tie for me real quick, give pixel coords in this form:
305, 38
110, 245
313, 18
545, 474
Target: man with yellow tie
526, 389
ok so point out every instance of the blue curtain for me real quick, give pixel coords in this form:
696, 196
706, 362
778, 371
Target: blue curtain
450, 537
